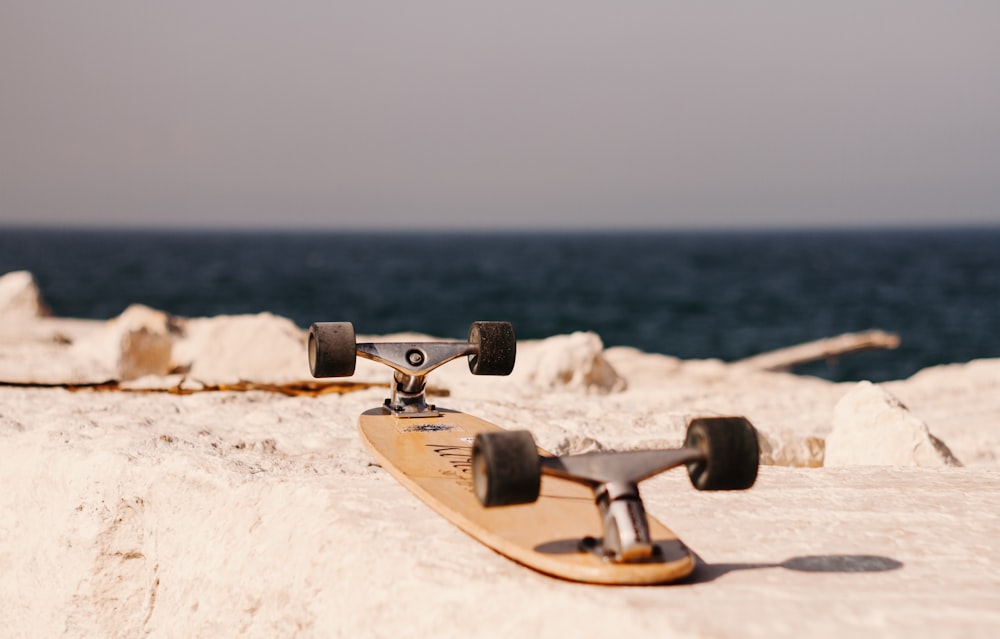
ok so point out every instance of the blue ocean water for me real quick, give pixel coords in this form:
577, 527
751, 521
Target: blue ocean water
689, 294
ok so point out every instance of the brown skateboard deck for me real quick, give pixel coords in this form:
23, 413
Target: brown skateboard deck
432, 458
578, 517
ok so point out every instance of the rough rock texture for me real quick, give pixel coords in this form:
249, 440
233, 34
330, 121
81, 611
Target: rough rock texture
806, 452
967, 420
570, 362
226, 349
145, 342
255, 514
872, 427
259, 515
20, 297
136, 343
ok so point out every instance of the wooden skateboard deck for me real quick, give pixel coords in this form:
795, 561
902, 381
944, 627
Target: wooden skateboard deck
430, 455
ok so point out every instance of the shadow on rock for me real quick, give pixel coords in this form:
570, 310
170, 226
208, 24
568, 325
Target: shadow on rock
705, 572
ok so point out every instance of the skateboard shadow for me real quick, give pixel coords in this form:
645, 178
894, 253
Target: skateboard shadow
705, 572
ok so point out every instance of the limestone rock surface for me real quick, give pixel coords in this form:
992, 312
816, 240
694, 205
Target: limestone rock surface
20, 297
871, 427
571, 362
145, 512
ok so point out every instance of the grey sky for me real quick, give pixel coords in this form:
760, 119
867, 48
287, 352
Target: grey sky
570, 114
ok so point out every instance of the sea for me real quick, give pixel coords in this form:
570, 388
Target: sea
711, 294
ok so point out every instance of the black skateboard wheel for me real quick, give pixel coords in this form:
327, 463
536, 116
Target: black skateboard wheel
497, 348
505, 468
731, 453
332, 349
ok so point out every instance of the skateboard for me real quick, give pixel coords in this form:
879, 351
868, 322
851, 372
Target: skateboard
576, 517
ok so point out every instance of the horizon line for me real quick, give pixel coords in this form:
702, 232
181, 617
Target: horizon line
513, 230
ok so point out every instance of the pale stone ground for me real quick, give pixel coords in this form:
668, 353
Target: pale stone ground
257, 514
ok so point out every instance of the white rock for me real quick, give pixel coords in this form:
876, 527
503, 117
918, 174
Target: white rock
791, 450
231, 348
251, 514
136, 343
873, 428
569, 362
147, 338
19, 297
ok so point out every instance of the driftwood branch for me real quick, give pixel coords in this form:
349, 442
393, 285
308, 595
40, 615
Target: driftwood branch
308, 388
828, 348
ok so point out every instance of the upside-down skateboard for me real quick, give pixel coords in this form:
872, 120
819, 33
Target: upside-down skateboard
497, 486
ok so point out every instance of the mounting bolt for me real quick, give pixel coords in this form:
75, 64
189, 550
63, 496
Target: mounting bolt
415, 357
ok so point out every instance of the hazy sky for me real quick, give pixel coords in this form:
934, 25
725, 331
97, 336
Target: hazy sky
569, 114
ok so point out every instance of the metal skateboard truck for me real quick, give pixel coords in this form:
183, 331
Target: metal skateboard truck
721, 453
491, 349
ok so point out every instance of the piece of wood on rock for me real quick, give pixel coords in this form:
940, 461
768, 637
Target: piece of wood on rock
871, 427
